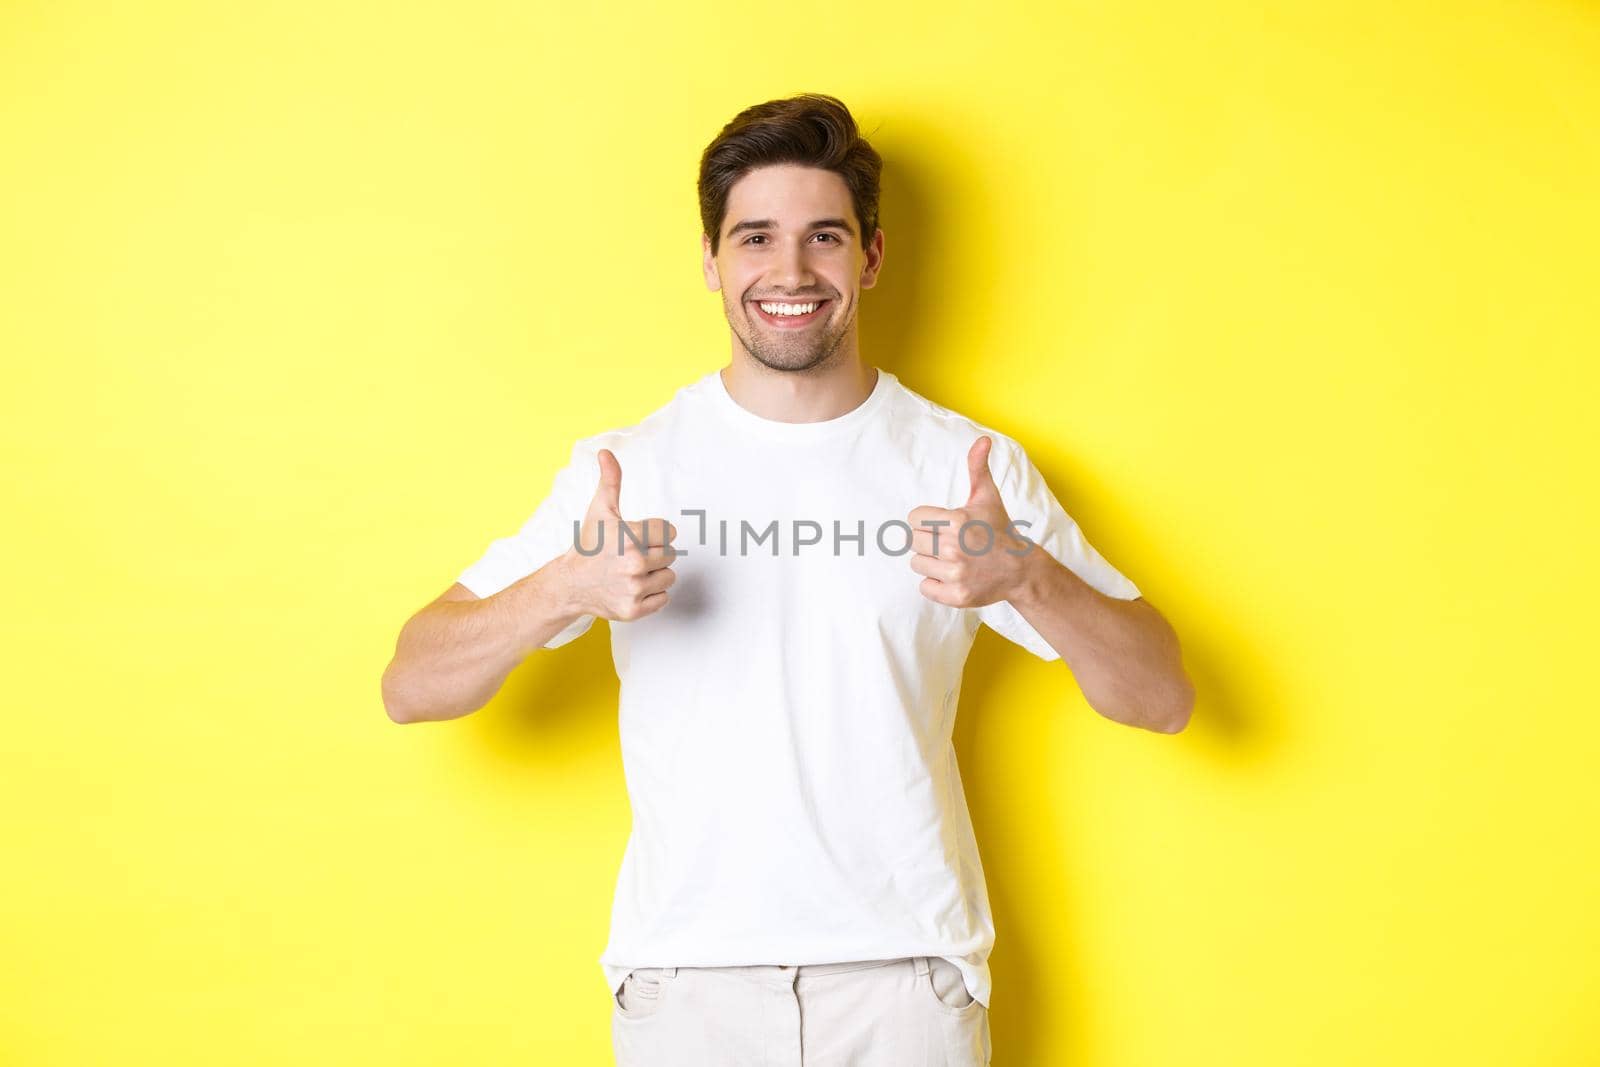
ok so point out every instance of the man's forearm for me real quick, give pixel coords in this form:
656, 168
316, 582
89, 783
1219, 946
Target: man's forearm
1123, 654
453, 655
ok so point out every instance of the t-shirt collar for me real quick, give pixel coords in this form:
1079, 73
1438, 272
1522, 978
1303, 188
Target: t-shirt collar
746, 419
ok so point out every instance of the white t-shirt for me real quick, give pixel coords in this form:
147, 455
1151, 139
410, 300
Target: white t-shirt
785, 719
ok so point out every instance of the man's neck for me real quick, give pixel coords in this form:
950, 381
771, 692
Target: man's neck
795, 396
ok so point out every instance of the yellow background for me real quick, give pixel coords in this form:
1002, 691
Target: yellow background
302, 304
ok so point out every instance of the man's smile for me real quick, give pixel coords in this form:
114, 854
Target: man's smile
790, 315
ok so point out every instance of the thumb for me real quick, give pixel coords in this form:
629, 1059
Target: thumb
978, 472
608, 492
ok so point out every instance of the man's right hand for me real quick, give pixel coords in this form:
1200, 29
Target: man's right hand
622, 581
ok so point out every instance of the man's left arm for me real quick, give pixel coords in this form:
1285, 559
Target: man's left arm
1123, 653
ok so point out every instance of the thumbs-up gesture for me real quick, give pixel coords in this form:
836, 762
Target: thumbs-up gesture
619, 570
969, 555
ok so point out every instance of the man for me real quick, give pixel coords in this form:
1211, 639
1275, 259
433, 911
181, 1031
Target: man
795, 554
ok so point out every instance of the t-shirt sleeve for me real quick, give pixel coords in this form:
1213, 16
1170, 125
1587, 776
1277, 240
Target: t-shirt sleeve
546, 535
1028, 499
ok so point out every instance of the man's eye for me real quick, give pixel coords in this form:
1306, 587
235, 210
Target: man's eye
832, 238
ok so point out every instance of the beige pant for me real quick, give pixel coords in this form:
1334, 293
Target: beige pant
909, 1012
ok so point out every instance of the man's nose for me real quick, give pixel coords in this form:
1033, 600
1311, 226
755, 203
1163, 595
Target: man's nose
794, 270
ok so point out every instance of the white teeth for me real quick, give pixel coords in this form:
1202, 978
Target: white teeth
788, 309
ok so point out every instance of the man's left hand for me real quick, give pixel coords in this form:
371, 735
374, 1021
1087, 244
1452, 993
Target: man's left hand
969, 556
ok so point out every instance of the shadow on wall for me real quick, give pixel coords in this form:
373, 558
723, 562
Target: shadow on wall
547, 712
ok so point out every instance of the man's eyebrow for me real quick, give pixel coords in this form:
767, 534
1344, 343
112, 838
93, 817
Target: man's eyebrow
769, 224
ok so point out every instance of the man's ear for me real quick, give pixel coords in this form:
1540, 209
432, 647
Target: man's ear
869, 272
709, 264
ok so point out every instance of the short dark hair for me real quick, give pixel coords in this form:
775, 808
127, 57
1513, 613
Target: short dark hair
811, 129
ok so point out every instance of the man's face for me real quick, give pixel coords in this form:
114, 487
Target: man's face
789, 236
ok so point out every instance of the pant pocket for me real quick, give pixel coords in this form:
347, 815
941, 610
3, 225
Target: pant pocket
642, 991
963, 1020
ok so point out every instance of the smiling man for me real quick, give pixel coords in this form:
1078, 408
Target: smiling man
794, 568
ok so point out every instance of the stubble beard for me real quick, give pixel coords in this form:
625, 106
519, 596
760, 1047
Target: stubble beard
791, 354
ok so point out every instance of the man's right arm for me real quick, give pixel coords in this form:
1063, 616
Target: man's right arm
454, 654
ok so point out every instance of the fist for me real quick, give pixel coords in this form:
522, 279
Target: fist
624, 568
976, 566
